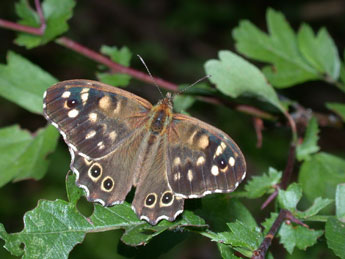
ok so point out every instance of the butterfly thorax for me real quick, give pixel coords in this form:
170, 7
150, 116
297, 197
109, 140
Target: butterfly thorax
161, 116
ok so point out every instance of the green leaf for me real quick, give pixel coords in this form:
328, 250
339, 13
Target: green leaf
226, 251
319, 50
279, 47
318, 205
309, 145
56, 14
73, 194
320, 175
234, 76
338, 108
183, 102
121, 56
289, 199
335, 235
53, 228
25, 156
257, 186
292, 236
298, 236
340, 201
18, 84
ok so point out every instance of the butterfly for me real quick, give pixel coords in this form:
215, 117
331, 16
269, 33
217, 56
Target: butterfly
118, 140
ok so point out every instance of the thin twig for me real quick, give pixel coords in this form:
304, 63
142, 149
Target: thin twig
40, 14
259, 126
19, 27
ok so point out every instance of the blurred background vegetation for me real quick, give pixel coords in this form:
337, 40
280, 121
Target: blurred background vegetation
175, 38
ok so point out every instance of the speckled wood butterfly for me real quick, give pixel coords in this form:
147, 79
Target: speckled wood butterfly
118, 140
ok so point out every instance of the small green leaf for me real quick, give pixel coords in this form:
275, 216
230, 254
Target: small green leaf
56, 14
257, 186
73, 193
279, 48
18, 84
320, 175
297, 236
340, 201
289, 199
234, 76
338, 108
183, 102
121, 56
335, 235
226, 251
319, 50
318, 205
24, 156
309, 145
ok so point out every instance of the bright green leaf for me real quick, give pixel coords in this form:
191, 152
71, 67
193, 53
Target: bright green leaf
340, 201
183, 102
73, 193
320, 175
56, 14
318, 205
234, 76
279, 48
309, 145
338, 108
297, 236
226, 251
289, 199
25, 156
121, 56
24, 83
319, 50
335, 235
259, 185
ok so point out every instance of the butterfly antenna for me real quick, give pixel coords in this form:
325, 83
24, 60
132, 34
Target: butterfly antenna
196, 82
148, 71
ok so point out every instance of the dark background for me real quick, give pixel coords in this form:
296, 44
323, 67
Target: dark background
175, 38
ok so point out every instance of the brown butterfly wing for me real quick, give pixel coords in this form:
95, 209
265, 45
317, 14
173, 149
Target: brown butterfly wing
202, 159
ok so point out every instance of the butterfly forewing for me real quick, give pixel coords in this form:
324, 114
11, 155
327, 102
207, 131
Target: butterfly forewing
93, 117
202, 159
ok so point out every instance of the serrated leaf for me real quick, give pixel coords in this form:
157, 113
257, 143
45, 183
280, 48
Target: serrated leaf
53, 228
257, 186
314, 209
18, 84
56, 14
340, 202
25, 156
335, 235
298, 236
292, 236
121, 56
234, 76
279, 48
309, 144
289, 199
320, 175
319, 50
338, 108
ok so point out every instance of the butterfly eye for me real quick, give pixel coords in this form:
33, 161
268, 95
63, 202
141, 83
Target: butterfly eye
71, 103
107, 184
95, 171
222, 163
150, 200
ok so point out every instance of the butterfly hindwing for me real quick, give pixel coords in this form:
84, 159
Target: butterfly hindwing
154, 200
93, 117
202, 159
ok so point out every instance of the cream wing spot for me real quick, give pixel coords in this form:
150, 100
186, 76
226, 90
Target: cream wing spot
73, 113
177, 176
203, 141
232, 161
201, 160
214, 170
105, 102
113, 135
66, 94
191, 138
93, 117
90, 134
177, 161
84, 97
190, 175
118, 108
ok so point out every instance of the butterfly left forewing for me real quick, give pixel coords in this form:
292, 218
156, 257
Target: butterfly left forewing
93, 118
202, 159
